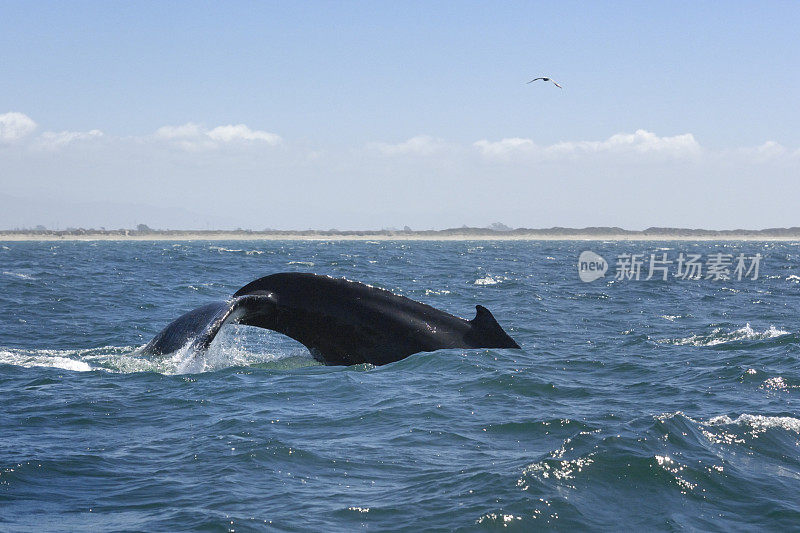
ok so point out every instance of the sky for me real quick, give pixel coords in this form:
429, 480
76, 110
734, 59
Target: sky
369, 115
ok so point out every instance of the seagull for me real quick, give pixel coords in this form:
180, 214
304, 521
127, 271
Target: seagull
547, 79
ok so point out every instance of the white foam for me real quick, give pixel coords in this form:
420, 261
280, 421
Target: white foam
498, 518
234, 346
29, 360
490, 280
776, 383
719, 337
759, 423
19, 275
429, 292
70, 364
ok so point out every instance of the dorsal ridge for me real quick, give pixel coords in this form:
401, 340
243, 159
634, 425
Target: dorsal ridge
484, 319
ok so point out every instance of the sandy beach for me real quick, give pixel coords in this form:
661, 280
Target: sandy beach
443, 235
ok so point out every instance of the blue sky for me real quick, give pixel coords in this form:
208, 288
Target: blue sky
378, 114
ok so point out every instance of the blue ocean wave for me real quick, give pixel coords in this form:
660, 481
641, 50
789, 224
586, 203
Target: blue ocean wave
657, 405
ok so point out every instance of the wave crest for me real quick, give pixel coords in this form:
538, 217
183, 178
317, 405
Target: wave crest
758, 423
717, 336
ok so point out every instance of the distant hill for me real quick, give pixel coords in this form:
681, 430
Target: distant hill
610, 233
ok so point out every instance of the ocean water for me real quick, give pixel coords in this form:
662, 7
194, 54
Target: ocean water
643, 404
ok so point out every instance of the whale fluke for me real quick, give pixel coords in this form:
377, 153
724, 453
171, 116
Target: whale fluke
201, 325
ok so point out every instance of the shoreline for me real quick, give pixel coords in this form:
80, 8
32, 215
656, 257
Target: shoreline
386, 236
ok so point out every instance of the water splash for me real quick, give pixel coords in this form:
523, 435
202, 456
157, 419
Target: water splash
235, 346
490, 280
20, 275
718, 336
758, 423
63, 359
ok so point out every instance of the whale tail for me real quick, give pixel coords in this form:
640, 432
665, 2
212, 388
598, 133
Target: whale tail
198, 327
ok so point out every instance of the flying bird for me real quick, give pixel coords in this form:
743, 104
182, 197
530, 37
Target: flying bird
547, 79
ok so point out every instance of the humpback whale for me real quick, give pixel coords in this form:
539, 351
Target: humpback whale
341, 322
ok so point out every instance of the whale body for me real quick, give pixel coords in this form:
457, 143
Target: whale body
341, 322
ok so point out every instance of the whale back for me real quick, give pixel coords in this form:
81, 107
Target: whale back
347, 322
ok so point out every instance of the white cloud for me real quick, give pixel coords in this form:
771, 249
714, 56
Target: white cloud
769, 149
240, 132
640, 142
511, 179
770, 152
14, 126
191, 136
56, 139
419, 145
504, 147
187, 130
